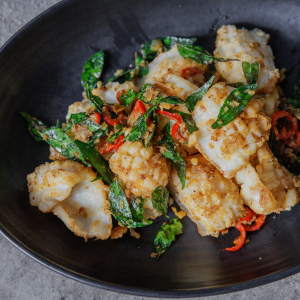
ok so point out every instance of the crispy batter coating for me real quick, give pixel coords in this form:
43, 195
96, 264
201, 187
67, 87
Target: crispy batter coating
165, 71
65, 188
211, 201
270, 102
84, 106
250, 46
140, 169
230, 147
270, 188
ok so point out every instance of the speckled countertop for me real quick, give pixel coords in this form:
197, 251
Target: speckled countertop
23, 278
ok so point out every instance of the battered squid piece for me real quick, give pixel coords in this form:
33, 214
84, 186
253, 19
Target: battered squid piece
166, 72
140, 169
250, 46
84, 106
230, 147
65, 188
270, 102
211, 201
270, 188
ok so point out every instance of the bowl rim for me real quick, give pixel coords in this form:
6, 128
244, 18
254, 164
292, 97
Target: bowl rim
200, 292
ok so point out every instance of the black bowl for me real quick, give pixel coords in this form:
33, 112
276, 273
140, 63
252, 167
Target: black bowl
40, 73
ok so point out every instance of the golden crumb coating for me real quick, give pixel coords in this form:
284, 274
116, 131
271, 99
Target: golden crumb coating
166, 72
250, 46
139, 168
270, 102
65, 188
228, 148
211, 201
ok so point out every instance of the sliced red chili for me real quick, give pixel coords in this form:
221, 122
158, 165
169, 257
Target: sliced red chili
107, 116
249, 217
119, 93
95, 117
105, 147
175, 132
284, 134
172, 116
189, 72
294, 141
140, 108
240, 241
258, 222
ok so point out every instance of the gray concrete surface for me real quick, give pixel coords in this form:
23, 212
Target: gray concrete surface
23, 278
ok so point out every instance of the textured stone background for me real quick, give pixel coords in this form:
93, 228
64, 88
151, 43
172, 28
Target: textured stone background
23, 278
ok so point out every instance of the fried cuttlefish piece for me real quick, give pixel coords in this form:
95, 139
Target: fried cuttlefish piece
250, 46
65, 188
270, 188
211, 201
230, 147
166, 72
141, 169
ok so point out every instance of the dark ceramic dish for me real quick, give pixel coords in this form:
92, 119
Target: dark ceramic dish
40, 71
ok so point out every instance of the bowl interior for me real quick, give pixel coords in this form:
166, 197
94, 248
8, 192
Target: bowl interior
40, 73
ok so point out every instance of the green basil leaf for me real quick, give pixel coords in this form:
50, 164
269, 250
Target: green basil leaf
127, 97
131, 217
170, 41
95, 100
186, 118
122, 77
98, 134
199, 54
63, 144
151, 49
141, 93
140, 126
170, 152
193, 99
148, 136
236, 85
118, 131
142, 65
97, 178
230, 111
82, 119
35, 126
159, 198
166, 235
96, 159
92, 70
251, 71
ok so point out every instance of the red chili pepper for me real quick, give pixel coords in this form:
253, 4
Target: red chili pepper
140, 108
105, 147
284, 134
119, 93
107, 116
172, 116
249, 216
95, 117
259, 221
294, 142
176, 133
189, 72
240, 241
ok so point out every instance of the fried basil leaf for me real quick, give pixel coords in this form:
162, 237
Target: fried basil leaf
251, 71
199, 54
236, 85
122, 77
186, 118
96, 159
35, 126
159, 198
127, 97
148, 136
151, 49
234, 105
296, 101
63, 144
141, 93
92, 71
166, 235
193, 99
99, 133
142, 65
140, 126
170, 152
82, 119
95, 100
274, 146
118, 130
126, 215
170, 41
